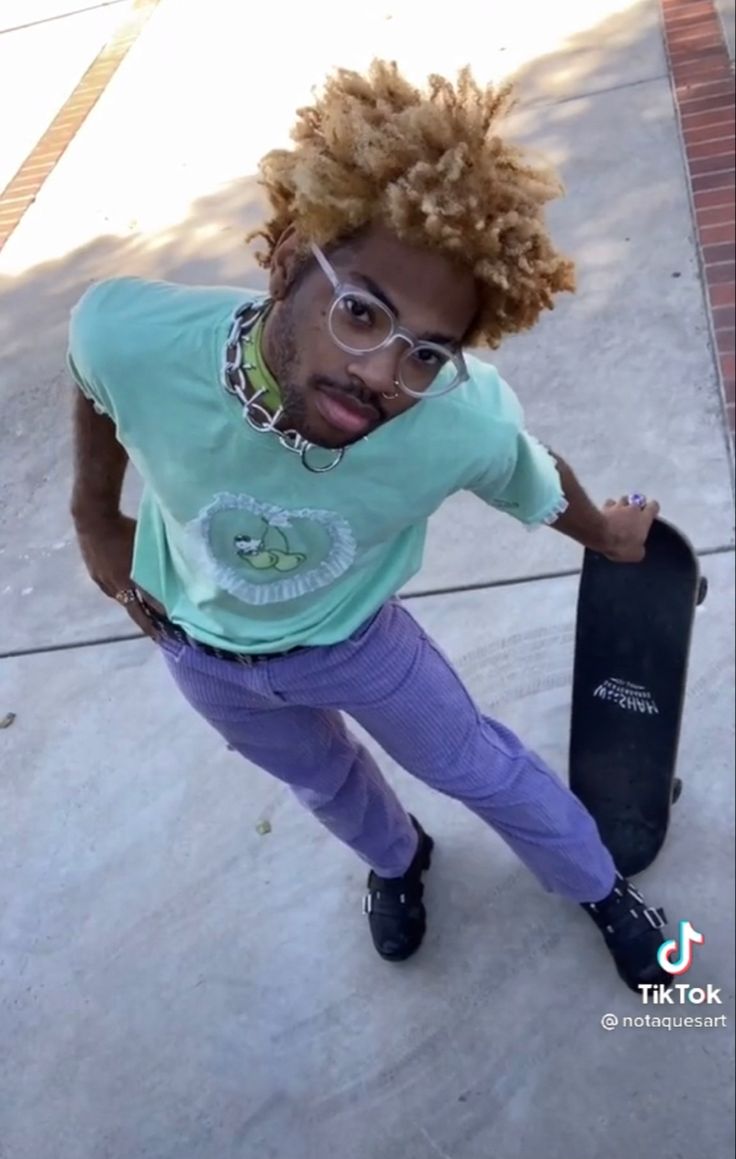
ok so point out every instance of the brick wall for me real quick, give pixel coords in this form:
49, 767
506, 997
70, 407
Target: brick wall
703, 86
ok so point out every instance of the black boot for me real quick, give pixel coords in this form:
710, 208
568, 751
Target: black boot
633, 933
394, 907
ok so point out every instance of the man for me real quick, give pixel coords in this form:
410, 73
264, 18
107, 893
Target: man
292, 449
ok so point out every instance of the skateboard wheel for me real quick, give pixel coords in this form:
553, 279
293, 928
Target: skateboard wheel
676, 790
702, 591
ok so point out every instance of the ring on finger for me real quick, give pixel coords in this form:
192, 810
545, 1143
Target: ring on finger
637, 500
126, 596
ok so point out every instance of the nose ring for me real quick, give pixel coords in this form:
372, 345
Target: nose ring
395, 394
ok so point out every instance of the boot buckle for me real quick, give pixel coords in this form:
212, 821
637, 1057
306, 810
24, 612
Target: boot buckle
655, 917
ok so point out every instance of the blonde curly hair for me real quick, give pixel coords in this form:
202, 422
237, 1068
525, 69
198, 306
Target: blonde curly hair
432, 168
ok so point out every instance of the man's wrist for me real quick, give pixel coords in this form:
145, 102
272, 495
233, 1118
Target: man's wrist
601, 537
582, 521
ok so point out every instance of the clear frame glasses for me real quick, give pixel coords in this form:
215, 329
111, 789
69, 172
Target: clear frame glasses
360, 323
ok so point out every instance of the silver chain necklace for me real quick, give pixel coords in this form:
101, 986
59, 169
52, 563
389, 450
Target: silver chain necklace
235, 375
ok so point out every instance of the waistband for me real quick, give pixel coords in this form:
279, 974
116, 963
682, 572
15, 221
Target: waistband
174, 632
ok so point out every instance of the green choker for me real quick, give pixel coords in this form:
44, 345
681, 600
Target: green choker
259, 376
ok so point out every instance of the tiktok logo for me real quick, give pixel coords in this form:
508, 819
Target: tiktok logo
675, 962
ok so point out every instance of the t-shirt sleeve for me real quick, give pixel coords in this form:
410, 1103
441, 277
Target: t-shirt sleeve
94, 344
521, 478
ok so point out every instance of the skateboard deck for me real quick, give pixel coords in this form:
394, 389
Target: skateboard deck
634, 623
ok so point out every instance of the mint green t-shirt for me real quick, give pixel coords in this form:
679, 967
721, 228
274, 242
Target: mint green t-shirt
245, 548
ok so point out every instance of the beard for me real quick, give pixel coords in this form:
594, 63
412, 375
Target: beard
285, 366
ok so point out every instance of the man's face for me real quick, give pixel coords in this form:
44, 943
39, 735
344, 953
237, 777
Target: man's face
334, 398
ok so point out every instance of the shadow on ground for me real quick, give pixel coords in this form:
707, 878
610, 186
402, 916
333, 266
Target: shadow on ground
619, 378
176, 985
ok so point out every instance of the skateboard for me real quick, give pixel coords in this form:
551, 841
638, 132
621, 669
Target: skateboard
632, 642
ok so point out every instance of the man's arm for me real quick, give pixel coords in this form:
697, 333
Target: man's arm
618, 531
100, 463
106, 536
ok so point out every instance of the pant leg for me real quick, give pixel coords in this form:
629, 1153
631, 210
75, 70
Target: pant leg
310, 749
406, 694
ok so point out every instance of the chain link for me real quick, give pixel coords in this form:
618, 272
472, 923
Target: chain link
235, 374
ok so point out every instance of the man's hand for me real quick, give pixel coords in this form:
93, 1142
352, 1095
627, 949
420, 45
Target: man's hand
106, 544
619, 531
627, 530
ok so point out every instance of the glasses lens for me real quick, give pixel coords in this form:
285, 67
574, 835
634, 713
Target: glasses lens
359, 322
428, 370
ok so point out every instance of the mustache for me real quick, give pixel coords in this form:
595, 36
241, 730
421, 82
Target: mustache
352, 389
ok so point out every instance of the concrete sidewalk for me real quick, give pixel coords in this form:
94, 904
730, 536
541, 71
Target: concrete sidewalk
727, 10
44, 50
178, 987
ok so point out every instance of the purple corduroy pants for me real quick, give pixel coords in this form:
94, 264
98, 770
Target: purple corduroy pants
286, 716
